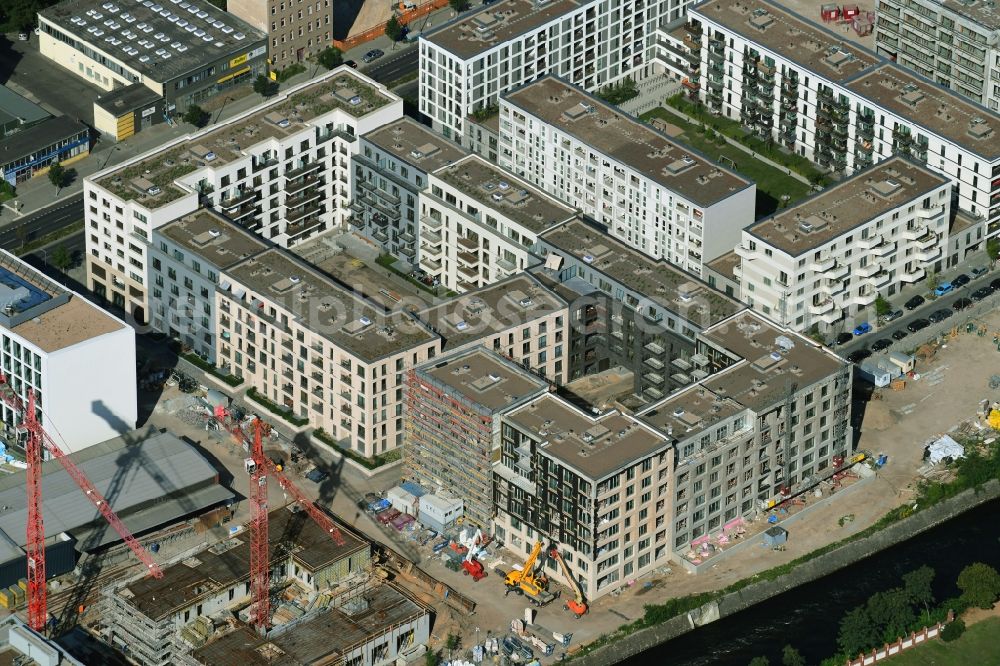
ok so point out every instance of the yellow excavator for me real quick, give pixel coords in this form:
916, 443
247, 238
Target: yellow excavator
530, 581
579, 605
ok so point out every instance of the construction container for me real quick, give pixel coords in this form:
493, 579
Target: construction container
402, 500
438, 513
830, 12
23, 584
5, 599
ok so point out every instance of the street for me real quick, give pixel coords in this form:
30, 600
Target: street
394, 66
45, 221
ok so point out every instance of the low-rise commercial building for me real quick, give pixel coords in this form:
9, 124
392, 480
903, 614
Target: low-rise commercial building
18, 113
77, 359
183, 54
31, 151
281, 170
391, 169
124, 111
829, 258
651, 192
479, 222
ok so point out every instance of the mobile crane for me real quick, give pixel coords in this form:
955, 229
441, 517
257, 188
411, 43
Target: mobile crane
471, 565
579, 605
530, 581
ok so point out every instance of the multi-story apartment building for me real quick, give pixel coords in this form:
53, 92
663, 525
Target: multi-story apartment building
391, 168
627, 309
841, 105
304, 341
598, 486
296, 31
519, 318
950, 42
454, 406
467, 63
653, 193
77, 359
479, 222
771, 420
186, 258
829, 257
281, 170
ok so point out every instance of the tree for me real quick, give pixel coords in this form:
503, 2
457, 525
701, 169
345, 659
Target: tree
917, 585
882, 306
857, 633
459, 5
952, 630
452, 643
196, 116
263, 86
432, 658
57, 175
932, 280
993, 250
331, 57
891, 613
62, 258
760, 661
792, 657
980, 585
394, 29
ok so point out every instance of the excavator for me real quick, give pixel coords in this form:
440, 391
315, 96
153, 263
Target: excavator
530, 581
578, 606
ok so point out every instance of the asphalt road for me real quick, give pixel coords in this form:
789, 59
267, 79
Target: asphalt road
41, 223
923, 311
393, 66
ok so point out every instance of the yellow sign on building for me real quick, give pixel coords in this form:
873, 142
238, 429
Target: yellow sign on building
239, 60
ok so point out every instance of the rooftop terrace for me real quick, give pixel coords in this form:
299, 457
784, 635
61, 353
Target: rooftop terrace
475, 315
213, 238
324, 307
478, 32
505, 193
837, 210
658, 281
484, 377
647, 151
151, 178
595, 446
415, 144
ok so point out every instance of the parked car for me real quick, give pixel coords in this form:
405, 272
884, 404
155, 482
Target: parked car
981, 293
943, 288
995, 284
842, 339
978, 271
961, 280
862, 328
898, 335
316, 475
23, 36
881, 344
893, 316
914, 303
353, 64
373, 55
939, 315
961, 304
858, 355
917, 325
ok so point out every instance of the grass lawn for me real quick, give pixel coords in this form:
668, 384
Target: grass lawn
978, 645
771, 183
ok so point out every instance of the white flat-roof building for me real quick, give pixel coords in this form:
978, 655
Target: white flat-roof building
829, 257
840, 105
652, 193
281, 170
78, 359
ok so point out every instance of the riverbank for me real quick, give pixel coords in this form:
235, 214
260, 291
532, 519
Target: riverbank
620, 646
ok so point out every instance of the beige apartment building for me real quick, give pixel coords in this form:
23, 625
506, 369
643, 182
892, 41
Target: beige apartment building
296, 29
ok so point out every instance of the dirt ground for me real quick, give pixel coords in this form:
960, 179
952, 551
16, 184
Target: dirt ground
810, 9
356, 16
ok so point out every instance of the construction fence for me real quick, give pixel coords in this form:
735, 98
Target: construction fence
404, 17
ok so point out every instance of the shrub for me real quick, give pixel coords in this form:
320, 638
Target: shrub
952, 631
368, 463
279, 410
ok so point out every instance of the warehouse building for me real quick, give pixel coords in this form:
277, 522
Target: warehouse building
185, 52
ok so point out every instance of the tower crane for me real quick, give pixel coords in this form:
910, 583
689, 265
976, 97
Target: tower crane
260, 467
37, 440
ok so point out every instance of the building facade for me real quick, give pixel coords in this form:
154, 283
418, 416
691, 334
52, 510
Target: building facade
479, 222
840, 105
281, 170
295, 31
391, 169
951, 43
78, 360
651, 192
827, 259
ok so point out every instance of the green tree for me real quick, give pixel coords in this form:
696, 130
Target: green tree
7, 191
932, 280
857, 632
196, 116
882, 306
993, 250
57, 175
792, 657
62, 258
264, 86
891, 613
394, 29
331, 57
952, 630
980, 585
618, 93
760, 661
452, 643
459, 5
917, 585
432, 658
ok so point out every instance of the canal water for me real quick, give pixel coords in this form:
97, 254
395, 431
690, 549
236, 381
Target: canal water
808, 616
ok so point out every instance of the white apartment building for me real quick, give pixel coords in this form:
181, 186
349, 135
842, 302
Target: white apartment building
841, 105
951, 42
78, 359
187, 256
329, 355
652, 193
829, 257
466, 63
281, 170
479, 222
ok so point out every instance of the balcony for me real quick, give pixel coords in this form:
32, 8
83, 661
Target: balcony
868, 243
428, 222
913, 233
470, 273
470, 244
291, 187
653, 362
822, 307
381, 236
863, 299
406, 237
239, 198
927, 241
241, 212
302, 170
913, 275
838, 272
408, 251
929, 254
302, 199
305, 226
296, 215
429, 264
654, 348
880, 279
868, 270
432, 237
822, 265
468, 259
883, 249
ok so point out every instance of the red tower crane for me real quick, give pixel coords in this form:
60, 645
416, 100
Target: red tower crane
37, 440
259, 467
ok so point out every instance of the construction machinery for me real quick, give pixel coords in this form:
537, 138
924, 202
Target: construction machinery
36, 439
470, 565
529, 580
578, 605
